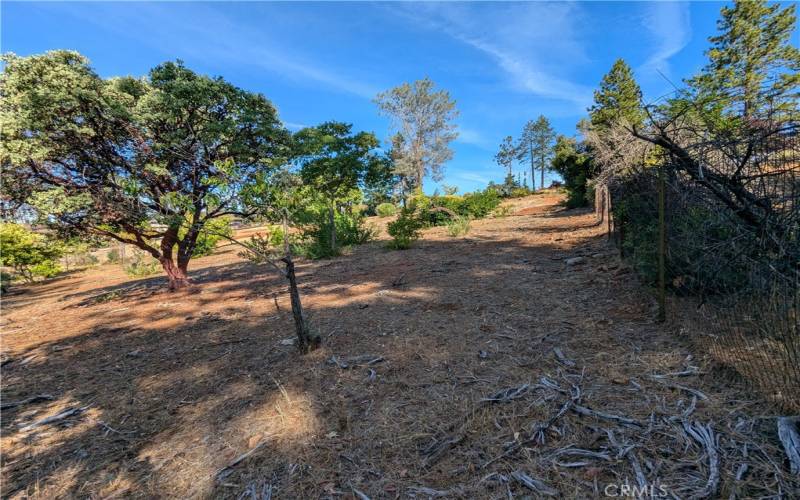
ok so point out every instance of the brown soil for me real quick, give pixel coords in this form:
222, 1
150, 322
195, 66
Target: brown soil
173, 387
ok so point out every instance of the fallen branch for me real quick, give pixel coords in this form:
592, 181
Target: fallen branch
533, 484
434, 451
353, 362
563, 359
582, 410
693, 392
704, 435
787, 433
55, 418
507, 395
32, 399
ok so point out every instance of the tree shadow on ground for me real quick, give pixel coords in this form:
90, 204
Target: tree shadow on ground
168, 401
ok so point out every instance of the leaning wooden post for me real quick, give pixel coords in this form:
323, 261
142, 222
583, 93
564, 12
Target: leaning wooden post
306, 341
662, 245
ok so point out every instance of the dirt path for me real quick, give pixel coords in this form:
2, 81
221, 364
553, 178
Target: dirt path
169, 389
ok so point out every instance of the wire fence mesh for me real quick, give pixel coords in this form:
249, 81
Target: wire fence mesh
732, 246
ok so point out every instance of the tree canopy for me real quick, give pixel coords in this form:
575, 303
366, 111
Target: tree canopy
618, 98
422, 118
146, 161
506, 154
335, 162
536, 145
753, 66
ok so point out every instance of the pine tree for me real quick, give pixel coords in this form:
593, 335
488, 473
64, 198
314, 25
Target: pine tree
506, 154
536, 145
753, 65
619, 97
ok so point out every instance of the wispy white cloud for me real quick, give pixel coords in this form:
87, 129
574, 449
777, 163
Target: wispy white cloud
473, 138
534, 44
669, 24
468, 176
207, 34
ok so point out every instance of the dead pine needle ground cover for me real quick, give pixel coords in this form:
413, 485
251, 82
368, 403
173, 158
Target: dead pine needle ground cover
483, 366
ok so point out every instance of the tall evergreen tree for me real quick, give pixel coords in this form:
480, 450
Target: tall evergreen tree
506, 154
753, 65
536, 145
619, 97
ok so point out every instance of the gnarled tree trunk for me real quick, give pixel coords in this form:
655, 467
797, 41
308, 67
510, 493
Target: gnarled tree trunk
176, 272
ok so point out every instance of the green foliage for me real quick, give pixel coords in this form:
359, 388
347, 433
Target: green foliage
458, 226
475, 205
479, 204
753, 65
618, 98
212, 233
113, 256
424, 121
29, 254
519, 192
536, 145
45, 269
385, 210
502, 211
405, 230
111, 156
506, 154
575, 167
350, 230
142, 265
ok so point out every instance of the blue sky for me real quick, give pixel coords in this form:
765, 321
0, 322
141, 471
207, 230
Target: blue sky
504, 63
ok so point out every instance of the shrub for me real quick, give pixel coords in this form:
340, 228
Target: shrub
519, 192
316, 236
458, 226
46, 269
29, 253
405, 229
5, 281
385, 210
502, 211
480, 204
142, 265
113, 256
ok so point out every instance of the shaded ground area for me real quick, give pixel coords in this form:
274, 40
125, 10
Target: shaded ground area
475, 367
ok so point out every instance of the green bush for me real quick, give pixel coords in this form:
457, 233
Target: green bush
519, 192
46, 269
458, 226
316, 236
113, 256
142, 265
480, 204
502, 211
405, 229
30, 254
385, 210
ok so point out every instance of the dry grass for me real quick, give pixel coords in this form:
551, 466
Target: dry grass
177, 386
